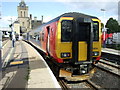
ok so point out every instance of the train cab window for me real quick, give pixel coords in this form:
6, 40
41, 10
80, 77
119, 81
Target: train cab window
66, 29
84, 31
95, 31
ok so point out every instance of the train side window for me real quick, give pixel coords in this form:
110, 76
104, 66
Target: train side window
66, 30
42, 36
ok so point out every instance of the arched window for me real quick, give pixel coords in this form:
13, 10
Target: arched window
21, 13
24, 13
23, 24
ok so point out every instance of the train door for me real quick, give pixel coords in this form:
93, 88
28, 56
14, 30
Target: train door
82, 42
48, 39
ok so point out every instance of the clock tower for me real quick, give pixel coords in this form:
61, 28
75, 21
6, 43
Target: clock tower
23, 18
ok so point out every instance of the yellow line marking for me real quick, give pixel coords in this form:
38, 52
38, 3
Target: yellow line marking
16, 62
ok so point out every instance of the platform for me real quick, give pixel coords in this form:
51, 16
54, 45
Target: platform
25, 68
111, 51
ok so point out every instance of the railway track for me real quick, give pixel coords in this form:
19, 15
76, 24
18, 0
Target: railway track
109, 67
105, 66
69, 85
88, 84
111, 57
109, 63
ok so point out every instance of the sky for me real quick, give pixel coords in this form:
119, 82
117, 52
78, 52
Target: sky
53, 8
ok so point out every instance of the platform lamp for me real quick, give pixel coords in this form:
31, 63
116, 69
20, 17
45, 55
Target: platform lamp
104, 31
13, 35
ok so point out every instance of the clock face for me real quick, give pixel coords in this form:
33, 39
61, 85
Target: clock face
22, 5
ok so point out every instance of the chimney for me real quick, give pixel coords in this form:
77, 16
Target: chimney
35, 18
31, 16
42, 19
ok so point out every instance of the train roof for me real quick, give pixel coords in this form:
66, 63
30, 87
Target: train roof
76, 14
70, 14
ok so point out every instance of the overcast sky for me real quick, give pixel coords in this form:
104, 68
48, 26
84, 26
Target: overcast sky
53, 8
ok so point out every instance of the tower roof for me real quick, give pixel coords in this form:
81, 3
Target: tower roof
22, 3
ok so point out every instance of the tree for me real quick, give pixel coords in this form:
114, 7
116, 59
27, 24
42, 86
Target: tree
112, 26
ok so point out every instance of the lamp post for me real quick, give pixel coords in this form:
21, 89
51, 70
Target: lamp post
13, 35
104, 31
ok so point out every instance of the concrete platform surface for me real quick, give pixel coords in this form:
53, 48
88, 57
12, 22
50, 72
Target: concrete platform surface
26, 68
40, 74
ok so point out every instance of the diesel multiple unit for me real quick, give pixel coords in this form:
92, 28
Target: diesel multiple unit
73, 40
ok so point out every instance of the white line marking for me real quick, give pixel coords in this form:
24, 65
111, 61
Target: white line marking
7, 58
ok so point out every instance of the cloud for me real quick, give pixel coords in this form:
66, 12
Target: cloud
47, 18
93, 5
105, 19
6, 20
94, 8
61, 0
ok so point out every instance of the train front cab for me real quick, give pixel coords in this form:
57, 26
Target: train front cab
74, 45
96, 39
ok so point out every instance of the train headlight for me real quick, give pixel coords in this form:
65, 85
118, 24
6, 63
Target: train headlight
95, 53
63, 55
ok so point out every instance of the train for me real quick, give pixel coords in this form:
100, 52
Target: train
111, 38
73, 40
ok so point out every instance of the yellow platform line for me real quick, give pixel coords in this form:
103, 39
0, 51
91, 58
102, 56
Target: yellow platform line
16, 62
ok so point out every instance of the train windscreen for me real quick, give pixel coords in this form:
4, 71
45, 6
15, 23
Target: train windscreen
95, 31
66, 30
83, 33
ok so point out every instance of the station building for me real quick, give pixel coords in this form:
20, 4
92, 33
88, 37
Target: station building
25, 23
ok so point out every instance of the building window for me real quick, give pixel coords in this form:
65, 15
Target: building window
23, 24
21, 13
24, 13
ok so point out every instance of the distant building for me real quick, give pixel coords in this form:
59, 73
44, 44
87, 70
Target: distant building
24, 22
119, 12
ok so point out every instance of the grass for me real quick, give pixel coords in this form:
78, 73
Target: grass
28, 72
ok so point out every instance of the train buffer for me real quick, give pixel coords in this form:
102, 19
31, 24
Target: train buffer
24, 67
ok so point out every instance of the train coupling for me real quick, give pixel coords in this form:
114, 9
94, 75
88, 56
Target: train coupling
70, 77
